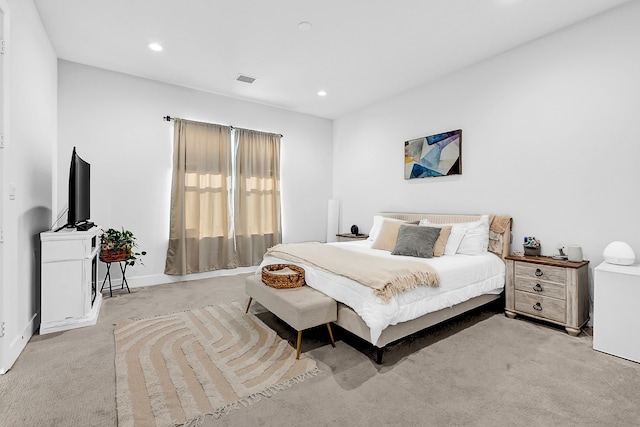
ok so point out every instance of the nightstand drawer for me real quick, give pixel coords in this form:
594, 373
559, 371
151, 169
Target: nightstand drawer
540, 306
542, 272
541, 287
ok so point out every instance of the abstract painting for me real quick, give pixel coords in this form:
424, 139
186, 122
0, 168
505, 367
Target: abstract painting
435, 155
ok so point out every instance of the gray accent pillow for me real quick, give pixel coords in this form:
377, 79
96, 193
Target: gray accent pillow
416, 241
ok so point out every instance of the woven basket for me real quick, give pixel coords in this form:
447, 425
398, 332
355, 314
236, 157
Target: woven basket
282, 281
114, 256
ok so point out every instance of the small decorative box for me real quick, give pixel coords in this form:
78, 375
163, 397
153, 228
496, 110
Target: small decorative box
531, 251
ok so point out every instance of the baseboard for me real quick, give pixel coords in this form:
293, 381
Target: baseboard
163, 279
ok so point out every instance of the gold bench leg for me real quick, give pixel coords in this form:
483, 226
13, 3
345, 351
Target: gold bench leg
248, 305
333, 343
298, 347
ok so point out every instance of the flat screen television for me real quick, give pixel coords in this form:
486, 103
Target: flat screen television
79, 194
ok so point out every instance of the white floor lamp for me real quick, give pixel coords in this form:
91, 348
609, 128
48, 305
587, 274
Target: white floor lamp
333, 220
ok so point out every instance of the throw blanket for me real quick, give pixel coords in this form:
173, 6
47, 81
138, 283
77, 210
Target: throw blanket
387, 277
499, 223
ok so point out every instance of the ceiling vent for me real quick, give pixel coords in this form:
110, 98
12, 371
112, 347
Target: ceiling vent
245, 79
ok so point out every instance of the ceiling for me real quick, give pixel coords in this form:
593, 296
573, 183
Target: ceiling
358, 51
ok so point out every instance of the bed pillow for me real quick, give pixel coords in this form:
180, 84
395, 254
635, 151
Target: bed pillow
387, 235
441, 243
476, 237
455, 238
458, 232
377, 223
416, 241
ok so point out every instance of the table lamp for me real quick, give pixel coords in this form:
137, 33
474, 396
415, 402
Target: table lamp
619, 253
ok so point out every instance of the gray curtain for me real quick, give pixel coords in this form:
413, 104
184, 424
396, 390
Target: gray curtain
257, 220
201, 235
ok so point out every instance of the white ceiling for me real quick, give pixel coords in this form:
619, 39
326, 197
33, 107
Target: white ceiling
359, 51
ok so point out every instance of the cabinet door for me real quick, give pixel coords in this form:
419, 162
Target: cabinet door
62, 292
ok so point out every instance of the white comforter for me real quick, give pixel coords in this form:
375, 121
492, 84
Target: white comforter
462, 277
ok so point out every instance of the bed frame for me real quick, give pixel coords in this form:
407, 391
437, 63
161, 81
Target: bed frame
350, 321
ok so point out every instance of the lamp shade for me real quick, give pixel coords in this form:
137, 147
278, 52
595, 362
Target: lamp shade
619, 253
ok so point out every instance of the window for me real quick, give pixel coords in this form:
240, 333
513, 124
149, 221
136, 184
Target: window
225, 198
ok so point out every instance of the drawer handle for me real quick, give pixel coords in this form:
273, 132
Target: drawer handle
538, 288
539, 272
537, 307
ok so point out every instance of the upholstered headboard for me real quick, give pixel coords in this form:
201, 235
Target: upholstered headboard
499, 226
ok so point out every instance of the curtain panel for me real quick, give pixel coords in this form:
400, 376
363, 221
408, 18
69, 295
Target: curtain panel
257, 217
225, 197
201, 235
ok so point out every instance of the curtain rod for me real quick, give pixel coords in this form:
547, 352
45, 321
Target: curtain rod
169, 118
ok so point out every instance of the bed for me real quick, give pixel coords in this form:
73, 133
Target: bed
467, 281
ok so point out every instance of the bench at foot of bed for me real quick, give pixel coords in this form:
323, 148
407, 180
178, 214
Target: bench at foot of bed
301, 308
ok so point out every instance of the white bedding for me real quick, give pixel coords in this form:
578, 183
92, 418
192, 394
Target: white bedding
462, 277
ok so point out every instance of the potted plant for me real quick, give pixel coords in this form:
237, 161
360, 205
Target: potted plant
119, 245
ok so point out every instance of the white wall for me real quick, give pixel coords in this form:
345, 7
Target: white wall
28, 162
115, 121
550, 135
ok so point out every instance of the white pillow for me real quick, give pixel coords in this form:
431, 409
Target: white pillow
469, 238
476, 237
377, 225
455, 238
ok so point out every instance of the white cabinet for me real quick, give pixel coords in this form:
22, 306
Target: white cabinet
616, 298
69, 294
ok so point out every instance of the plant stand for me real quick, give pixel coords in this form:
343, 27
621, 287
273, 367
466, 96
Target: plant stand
109, 260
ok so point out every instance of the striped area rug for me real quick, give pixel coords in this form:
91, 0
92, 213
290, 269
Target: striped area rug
179, 368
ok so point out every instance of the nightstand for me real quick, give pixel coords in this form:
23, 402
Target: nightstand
345, 237
548, 289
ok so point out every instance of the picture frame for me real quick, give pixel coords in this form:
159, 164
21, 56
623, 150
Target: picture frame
434, 155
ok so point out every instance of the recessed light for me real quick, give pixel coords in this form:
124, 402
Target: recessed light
322, 93
156, 47
304, 26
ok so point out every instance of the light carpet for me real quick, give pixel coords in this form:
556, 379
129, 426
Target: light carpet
181, 368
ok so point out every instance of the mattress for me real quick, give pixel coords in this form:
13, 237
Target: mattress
462, 277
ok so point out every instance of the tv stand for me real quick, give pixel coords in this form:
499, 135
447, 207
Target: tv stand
69, 275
